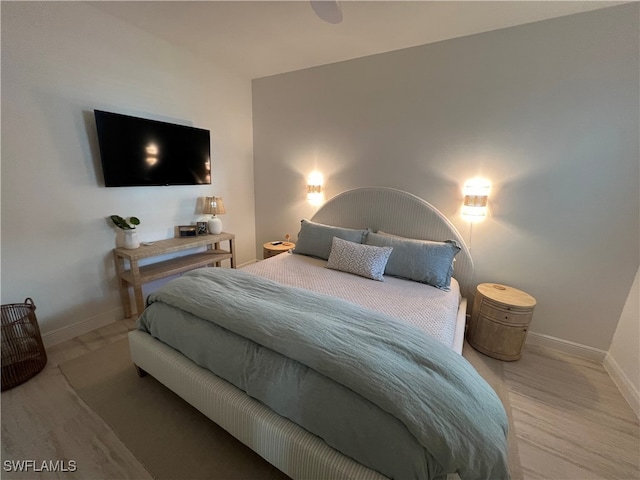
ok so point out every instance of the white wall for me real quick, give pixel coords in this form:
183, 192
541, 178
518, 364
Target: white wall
623, 358
61, 60
547, 111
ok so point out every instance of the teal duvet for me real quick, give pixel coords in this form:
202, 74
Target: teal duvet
378, 390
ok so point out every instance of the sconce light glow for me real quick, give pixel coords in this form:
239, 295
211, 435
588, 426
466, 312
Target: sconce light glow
476, 195
314, 188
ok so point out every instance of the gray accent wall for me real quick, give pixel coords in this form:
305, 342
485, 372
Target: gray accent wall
548, 112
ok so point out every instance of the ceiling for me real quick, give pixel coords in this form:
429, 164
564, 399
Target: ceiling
261, 38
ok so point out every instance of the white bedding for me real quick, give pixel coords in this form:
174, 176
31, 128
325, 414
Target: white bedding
428, 308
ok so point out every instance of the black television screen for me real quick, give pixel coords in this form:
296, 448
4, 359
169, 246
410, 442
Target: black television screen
141, 152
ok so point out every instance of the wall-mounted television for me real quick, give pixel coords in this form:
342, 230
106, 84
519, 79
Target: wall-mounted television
138, 152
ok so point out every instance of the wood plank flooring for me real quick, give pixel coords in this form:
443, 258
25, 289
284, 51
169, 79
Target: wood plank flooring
571, 422
44, 419
570, 419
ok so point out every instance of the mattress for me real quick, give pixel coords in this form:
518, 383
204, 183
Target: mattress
428, 308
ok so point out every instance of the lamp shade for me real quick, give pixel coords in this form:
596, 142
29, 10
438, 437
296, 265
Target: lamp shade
475, 200
314, 188
476, 195
214, 206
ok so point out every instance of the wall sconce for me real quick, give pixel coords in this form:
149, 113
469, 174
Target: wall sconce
314, 188
476, 196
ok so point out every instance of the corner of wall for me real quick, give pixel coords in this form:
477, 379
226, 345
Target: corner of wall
628, 390
623, 359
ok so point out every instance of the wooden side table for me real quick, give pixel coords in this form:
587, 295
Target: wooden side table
269, 250
134, 275
500, 320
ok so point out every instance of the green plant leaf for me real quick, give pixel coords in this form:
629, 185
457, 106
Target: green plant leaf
120, 222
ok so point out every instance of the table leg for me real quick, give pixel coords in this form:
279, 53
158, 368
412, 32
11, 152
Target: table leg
216, 246
123, 286
137, 286
232, 250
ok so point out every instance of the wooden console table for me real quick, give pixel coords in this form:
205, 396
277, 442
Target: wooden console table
135, 276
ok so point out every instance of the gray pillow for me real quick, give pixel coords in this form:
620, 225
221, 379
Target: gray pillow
314, 239
420, 260
364, 260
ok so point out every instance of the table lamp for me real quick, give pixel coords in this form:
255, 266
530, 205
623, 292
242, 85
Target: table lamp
214, 206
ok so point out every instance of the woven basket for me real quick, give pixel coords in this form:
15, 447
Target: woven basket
23, 353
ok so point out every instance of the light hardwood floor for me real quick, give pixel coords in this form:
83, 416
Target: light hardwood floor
43, 419
570, 420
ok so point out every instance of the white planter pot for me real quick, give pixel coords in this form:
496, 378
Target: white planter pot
130, 240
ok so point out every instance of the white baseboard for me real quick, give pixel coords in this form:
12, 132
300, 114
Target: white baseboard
627, 388
63, 334
565, 346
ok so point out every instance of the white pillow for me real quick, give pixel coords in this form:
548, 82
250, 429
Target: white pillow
365, 260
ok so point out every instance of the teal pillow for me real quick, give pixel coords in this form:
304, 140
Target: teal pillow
315, 239
363, 260
419, 260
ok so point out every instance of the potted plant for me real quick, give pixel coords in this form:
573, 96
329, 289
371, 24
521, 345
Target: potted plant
128, 227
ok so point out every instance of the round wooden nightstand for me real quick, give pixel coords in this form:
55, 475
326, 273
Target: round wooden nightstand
500, 320
270, 250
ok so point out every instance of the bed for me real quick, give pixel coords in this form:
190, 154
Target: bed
380, 430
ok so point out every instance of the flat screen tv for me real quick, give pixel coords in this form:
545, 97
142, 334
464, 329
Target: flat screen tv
138, 152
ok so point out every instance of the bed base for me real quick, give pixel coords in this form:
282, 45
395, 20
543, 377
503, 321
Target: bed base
282, 443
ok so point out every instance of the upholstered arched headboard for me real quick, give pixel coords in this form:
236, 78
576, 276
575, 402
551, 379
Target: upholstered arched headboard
399, 213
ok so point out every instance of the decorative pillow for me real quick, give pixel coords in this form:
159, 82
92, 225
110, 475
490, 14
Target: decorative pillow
314, 239
420, 260
364, 260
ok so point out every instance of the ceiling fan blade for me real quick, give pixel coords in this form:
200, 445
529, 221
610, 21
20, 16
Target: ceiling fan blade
328, 10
